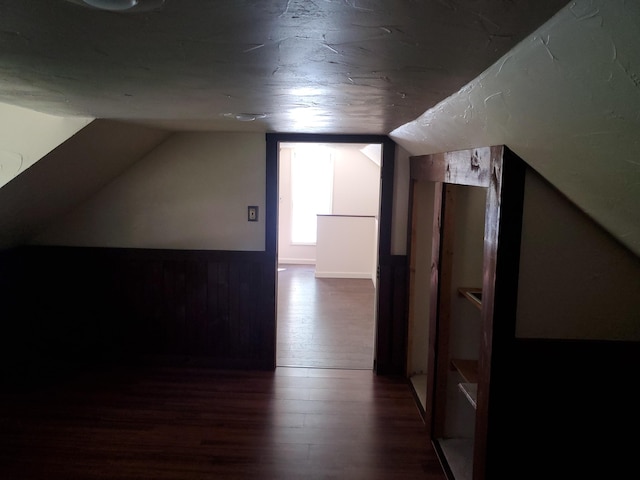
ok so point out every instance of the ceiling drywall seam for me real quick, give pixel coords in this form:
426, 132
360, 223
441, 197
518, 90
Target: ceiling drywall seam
566, 100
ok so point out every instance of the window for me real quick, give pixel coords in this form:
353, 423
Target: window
311, 191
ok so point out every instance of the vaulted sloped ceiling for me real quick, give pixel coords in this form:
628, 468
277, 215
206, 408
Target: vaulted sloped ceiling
567, 101
26, 136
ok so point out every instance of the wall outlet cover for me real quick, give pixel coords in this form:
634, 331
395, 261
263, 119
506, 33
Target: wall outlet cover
252, 213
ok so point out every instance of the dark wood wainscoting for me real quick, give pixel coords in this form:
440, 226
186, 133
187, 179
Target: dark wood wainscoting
76, 305
572, 403
391, 335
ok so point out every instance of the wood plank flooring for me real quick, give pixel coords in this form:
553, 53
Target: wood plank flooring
324, 322
195, 423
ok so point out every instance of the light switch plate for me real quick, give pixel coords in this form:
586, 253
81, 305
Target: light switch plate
252, 213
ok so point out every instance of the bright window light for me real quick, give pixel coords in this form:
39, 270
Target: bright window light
311, 191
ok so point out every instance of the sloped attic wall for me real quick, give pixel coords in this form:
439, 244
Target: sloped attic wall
26, 136
191, 192
68, 175
567, 101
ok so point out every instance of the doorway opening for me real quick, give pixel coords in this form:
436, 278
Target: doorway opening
327, 253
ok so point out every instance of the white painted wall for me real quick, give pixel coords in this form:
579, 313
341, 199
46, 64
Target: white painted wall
192, 192
356, 183
356, 191
400, 212
26, 136
566, 100
576, 282
466, 331
421, 276
468, 247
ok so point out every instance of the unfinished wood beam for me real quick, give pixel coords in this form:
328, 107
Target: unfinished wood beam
463, 167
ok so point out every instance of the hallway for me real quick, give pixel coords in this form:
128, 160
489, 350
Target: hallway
324, 322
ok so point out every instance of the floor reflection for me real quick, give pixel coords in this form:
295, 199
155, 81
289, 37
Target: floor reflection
324, 322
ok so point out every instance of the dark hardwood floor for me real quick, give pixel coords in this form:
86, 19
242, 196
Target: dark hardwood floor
196, 423
324, 322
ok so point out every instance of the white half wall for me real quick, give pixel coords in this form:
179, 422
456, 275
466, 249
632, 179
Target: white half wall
345, 247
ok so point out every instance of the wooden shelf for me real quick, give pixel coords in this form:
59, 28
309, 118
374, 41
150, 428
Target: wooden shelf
470, 391
458, 453
474, 295
467, 368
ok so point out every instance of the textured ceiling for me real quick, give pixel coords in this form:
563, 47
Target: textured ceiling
322, 66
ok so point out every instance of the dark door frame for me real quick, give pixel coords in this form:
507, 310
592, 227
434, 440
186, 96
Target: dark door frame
384, 356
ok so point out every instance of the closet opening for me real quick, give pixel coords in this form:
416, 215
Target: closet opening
472, 294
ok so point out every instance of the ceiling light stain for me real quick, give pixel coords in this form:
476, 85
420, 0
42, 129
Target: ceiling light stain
113, 5
330, 48
121, 6
245, 117
255, 47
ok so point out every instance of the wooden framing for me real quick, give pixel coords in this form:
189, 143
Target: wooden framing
464, 167
502, 173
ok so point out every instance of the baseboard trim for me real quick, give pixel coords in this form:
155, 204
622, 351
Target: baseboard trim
366, 276
296, 261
